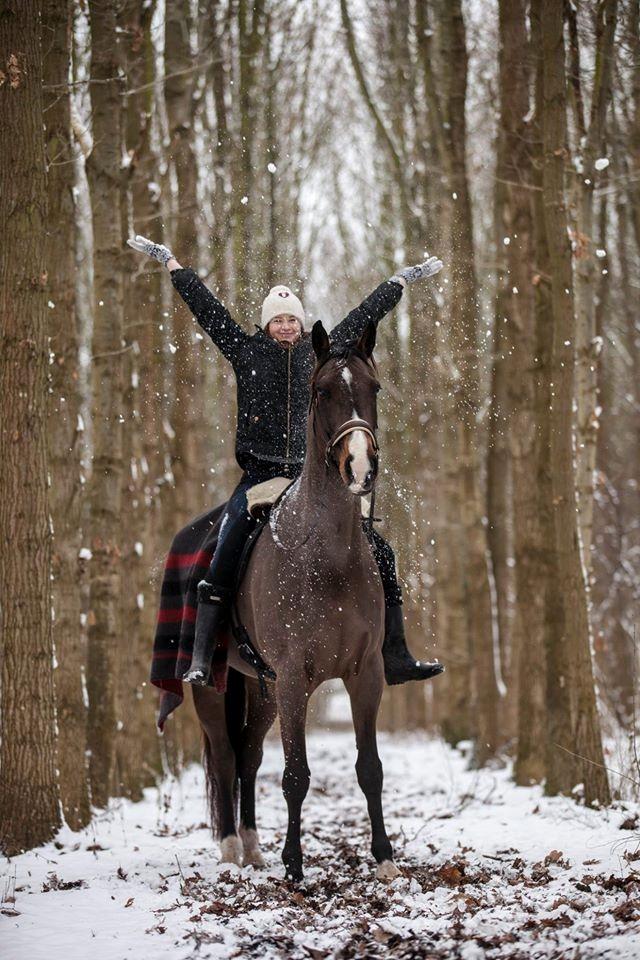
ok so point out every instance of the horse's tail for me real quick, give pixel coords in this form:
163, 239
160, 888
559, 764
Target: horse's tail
234, 712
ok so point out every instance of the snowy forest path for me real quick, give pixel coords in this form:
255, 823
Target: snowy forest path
491, 869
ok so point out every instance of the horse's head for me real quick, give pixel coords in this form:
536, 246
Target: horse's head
344, 386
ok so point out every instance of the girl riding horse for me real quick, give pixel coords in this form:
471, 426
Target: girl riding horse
273, 370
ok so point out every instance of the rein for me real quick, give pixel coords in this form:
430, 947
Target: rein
349, 426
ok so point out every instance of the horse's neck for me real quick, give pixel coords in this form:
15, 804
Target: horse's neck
321, 503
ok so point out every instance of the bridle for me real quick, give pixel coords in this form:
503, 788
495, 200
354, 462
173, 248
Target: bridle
349, 426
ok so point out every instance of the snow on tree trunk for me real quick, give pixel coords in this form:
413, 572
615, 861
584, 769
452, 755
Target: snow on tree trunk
66, 435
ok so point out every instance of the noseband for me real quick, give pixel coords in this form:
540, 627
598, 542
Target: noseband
349, 426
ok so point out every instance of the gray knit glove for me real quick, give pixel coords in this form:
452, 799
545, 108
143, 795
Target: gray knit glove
429, 268
156, 250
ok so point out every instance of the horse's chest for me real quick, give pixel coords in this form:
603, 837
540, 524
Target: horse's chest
319, 582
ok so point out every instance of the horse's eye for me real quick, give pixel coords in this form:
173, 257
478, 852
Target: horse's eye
377, 388
322, 394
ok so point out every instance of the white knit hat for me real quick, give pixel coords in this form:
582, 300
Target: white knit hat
281, 300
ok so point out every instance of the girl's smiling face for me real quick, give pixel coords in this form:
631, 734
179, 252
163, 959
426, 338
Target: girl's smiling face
284, 328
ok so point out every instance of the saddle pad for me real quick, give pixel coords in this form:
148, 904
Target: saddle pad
266, 493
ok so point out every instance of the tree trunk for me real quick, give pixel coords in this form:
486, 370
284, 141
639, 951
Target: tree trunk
463, 331
634, 132
499, 479
29, 804
65, 427
104, 175
187, 372
582, 757
251, 18
525, 675
137, 755
453, 690
187, 466
587, 344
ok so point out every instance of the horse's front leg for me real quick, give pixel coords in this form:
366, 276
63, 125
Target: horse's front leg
365, 693
292, 695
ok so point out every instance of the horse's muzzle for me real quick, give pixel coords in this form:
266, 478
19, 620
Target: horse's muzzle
364, 486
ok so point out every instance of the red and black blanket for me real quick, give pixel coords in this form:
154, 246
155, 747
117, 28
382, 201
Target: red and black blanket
186, 564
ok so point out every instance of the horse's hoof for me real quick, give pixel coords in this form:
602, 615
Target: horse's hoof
251, 848
293, 874
231, 850
387, 870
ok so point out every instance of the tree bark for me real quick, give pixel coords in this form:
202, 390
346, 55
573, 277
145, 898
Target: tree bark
463, 330
104, 175
65, 425
251, 21
587, 344
522, 370
29, 803
576, 755
188, 384
499, 473
137, 755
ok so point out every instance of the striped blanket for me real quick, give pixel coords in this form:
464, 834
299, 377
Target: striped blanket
187, 562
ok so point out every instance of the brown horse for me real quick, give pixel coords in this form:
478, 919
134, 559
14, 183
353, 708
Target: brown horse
312, 603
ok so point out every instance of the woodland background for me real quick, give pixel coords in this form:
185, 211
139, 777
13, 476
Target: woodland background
322, 145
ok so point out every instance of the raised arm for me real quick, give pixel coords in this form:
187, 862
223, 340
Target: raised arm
213, 316
383, 299
377, 305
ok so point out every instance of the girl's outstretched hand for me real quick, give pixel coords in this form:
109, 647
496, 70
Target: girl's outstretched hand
429, 268
157, 251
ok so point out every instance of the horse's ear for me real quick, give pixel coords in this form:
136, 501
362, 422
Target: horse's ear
367, 340
320, 340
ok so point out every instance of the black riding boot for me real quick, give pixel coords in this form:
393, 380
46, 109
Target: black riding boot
399, 665
212, 611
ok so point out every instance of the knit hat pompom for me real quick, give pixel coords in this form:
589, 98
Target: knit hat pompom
281, 300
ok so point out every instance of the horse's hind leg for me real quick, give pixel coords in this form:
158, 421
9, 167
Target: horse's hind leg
365, 692
260, 716
220, 771
292, 699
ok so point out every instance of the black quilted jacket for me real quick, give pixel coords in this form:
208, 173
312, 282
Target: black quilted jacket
272, 378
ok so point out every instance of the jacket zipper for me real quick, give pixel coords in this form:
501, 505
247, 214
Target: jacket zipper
288, 398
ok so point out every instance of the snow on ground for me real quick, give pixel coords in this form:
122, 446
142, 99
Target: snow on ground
488, 870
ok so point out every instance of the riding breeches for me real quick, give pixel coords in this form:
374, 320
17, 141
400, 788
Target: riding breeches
237, 524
